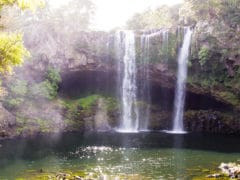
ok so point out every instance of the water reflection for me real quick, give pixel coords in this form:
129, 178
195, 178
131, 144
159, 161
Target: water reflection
149, 155
179, 156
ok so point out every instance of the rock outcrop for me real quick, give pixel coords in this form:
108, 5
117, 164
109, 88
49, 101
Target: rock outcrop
7, 122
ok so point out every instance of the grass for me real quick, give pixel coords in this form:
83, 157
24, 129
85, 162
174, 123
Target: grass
33, 125
85, 102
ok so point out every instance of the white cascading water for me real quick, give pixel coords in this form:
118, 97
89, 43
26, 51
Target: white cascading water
179, 100
165, 44
127, 73
129, 115
144, 85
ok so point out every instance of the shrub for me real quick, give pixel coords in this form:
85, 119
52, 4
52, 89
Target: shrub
203, 55
19, 87
44, 89
53, 75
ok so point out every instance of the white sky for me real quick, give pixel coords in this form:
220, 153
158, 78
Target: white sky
114, 13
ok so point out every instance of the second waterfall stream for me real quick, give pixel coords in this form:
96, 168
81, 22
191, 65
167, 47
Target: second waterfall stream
180, 90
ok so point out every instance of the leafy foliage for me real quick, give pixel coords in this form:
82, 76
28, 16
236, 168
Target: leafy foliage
3, 91
78, 14
23, 4
163, 16
53, 75
19, 88
85, 102
12, 51
44, 90
47, 88
13, 103
227, 10
17, 91
203, 55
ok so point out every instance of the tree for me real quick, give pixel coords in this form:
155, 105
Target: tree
12, 50
210, 9
164, 16
75, 16
52, 33
23, 4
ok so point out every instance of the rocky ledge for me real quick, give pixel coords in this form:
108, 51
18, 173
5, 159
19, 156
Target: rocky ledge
228, 170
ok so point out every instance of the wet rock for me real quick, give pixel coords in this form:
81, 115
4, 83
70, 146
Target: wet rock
101, 117
62, 176
7, 120
89, 123
161, 67
3, 133
211, 122
80, 108
77, 178
232, 170
214, 176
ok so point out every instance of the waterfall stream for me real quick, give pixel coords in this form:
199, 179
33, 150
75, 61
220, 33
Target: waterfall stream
135, 97
179, 99
144, 84
129, 110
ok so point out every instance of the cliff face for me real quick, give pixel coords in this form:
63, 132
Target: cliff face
215, 61
87, 63
7, 122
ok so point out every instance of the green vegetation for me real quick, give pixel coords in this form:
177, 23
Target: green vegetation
11, 44
48, 87
163, 16
77, 110
203, 55
17, 91
23, 4
85, 108
53, 75
45, 89
85, 102
19, 87
229, 97
31, 126
12, 51
226, 10
77, 14
20, 91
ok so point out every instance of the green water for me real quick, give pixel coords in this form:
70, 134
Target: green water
115, 156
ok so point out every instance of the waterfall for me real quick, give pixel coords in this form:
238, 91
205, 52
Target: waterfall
165, 44
125, 41
144, 84
179, 99
135, 117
